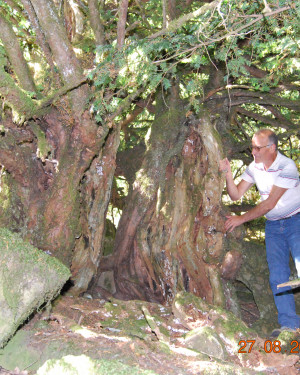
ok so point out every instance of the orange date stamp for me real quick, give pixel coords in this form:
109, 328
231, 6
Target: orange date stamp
246, 346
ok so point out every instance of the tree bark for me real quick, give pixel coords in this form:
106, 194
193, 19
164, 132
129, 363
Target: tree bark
95, 197
40, 37
170, 236
123, 7
96, 22
47, 158
15, 54
17, 99
62, 51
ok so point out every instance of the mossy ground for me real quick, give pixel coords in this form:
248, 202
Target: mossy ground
84, 336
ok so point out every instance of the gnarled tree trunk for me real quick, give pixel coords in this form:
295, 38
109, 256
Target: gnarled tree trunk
170, 236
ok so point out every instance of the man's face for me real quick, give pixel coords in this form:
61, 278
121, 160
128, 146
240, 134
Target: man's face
261, 148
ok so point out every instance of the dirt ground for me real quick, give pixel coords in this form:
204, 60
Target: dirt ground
117, 331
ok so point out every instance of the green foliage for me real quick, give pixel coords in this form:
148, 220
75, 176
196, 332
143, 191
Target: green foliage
233, 33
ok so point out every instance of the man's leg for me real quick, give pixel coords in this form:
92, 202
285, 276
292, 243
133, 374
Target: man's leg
293, 226
278, 254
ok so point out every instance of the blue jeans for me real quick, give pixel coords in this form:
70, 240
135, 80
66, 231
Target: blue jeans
283, 237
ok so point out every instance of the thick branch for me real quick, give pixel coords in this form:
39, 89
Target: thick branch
277, 113
255, 97
95, 21
64, 56
58, 93
176, 24
17, 99
266, 119
61, 48
15, 55
256, 72
123, 8
22, 105
139, 107
40, 36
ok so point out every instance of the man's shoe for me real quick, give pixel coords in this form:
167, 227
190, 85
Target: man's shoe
277, 331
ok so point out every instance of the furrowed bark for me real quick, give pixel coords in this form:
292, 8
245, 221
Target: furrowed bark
96, 191
61, 209
170, 236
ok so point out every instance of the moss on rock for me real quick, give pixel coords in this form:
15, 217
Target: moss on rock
28, 278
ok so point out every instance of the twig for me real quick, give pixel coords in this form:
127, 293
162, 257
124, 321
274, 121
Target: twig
154, 327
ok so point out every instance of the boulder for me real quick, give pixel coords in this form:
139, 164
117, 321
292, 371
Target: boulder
205, 340
29, 278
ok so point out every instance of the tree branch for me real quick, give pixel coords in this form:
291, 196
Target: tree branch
177, 23
123, 8
96, 23
40, 37
266, 119
43, 103
255, 97
63, 53
15, 55
61, 48
124, 106
16, 98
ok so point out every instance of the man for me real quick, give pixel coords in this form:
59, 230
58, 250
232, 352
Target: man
277, 180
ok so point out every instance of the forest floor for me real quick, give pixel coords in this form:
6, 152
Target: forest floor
94, 336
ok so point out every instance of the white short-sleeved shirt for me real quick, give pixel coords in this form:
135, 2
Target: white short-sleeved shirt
282, 173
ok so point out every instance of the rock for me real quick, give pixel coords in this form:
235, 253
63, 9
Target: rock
107, 282
254, 274
194, 313
231, 264
206, 341
29, 278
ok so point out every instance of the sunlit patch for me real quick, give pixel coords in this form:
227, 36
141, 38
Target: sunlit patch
184, 351
117, 338
84, 332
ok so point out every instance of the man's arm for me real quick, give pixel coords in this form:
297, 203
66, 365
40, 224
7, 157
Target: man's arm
261, 209
234, 191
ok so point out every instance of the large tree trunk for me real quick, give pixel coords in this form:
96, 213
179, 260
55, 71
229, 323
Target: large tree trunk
95, 197
47, 158
170, 236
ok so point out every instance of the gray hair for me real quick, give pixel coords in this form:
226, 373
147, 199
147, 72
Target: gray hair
272, 137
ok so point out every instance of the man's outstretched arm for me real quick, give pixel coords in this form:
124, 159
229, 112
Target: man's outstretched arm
260, 210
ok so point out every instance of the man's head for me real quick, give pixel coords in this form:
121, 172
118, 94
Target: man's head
264, 146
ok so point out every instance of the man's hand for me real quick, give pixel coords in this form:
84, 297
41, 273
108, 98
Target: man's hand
260, 210
233, 222
224, 165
